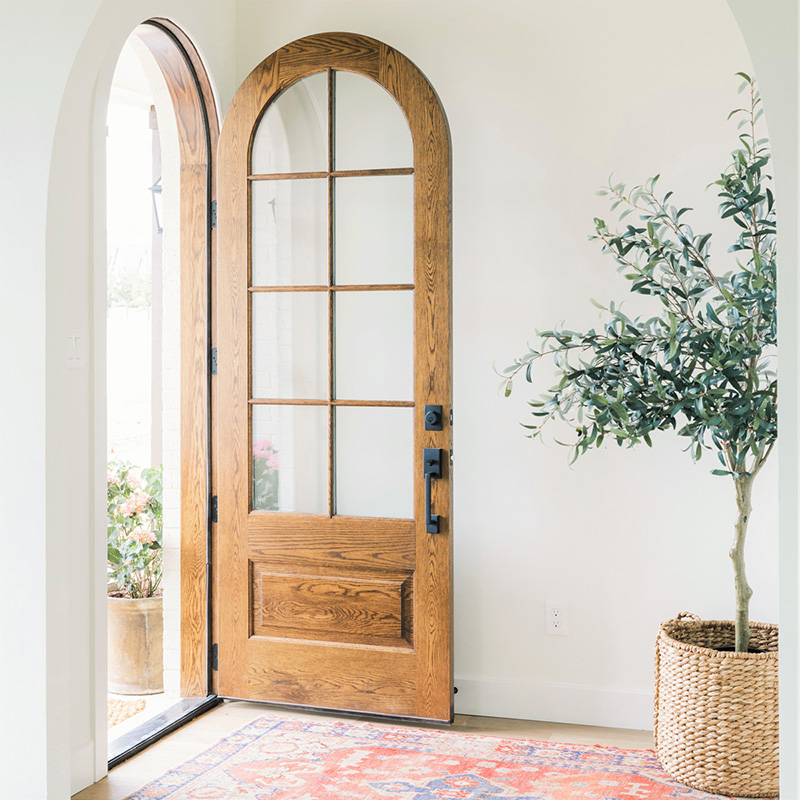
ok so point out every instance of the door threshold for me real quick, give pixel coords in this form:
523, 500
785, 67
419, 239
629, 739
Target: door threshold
137, 739
364, 716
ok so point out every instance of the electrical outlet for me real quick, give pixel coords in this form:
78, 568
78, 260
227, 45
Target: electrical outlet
555, 619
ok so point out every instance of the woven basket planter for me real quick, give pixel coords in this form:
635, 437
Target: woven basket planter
716, 711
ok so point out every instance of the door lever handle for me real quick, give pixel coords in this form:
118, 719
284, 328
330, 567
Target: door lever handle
432, 468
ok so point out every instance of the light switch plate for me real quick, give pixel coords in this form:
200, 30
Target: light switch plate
76, 348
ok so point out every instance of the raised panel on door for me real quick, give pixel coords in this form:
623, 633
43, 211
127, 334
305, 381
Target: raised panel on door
334, 334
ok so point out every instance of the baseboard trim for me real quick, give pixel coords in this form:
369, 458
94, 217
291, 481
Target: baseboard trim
555, 702
81, 772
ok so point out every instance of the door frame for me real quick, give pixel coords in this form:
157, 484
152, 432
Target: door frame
198, 134
195, 108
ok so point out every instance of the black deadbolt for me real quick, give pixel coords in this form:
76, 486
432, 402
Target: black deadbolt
433, 418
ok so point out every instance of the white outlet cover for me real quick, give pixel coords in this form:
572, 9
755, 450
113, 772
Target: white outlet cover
556, 618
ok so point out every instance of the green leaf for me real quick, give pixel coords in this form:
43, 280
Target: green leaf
673, 349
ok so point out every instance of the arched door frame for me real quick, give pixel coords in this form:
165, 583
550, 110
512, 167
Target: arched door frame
197, 124
198, 133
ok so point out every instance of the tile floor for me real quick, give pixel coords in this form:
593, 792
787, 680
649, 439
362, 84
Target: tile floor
219, 722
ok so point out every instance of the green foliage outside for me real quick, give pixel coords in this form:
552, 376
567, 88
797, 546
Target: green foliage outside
129, 289
135, 529
704, 364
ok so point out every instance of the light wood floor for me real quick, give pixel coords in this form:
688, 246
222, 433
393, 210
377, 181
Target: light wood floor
219, 722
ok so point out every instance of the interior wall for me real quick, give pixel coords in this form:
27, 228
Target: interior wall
55, 87
773, 44
545, 101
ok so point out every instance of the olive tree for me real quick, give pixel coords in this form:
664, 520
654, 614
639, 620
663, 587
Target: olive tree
704, 364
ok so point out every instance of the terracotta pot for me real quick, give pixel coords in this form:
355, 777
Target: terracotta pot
135, 645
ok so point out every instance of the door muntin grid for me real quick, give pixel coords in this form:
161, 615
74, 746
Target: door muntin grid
360, 231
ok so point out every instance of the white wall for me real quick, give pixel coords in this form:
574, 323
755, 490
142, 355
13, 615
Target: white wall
57, 62
773, 43
544, 100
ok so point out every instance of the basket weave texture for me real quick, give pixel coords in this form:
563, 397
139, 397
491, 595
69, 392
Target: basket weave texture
716, 712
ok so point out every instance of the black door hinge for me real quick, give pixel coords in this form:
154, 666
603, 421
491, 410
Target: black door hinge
215, 657
213, 360
213, 213
213, 511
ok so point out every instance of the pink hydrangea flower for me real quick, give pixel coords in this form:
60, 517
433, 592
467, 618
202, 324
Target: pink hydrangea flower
262, 448
272, 460
135, 505
142, 536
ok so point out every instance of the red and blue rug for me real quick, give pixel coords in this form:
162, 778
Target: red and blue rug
299, 759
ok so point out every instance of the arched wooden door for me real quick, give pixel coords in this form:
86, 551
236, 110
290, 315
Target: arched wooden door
333, 573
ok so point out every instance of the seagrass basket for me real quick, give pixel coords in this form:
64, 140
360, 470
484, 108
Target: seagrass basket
716, 711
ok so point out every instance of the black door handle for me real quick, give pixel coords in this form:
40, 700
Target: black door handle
432, 468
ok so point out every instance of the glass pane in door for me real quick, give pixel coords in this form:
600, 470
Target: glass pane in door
374, 229
371, 129
290, 458
374, 345
289, 345
293, 133
289, 232
374, 462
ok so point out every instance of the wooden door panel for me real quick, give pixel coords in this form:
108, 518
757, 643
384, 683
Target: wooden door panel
324, 610
344, 541
324, 604
349, 678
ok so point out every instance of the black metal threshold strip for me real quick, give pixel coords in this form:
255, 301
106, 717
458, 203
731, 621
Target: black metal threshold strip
142, 736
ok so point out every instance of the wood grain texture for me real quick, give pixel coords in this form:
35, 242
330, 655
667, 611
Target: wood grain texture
433, 364
278, 401
316, 674
198, 133
339, 541
231, 431
324, 605
416, 682
333, 173
342, 287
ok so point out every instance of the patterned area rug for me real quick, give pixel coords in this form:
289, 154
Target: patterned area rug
119, 710
292, 759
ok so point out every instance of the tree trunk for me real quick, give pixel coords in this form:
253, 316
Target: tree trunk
744, 489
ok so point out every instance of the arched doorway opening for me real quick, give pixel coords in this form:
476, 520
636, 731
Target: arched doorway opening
158, 297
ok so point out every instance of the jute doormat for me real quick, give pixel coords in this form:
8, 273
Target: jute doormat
291, 759
120, 710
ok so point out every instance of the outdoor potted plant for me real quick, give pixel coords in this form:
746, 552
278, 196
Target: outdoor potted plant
135, 567
265, 476
703, 366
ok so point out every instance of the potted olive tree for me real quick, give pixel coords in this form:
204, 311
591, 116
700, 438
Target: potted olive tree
135, 568
702, 366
